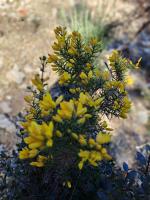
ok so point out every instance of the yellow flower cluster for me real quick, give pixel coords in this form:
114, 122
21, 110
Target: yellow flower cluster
67, 64
37, 83
71, 109
65, 77
97, 153
47, 104
120, 65
38, 137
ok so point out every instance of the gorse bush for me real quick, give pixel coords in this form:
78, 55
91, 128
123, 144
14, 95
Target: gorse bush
64, 139
70, 125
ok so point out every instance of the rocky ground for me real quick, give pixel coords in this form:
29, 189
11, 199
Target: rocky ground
26, 32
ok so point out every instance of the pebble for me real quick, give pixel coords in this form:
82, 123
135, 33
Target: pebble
15, 75
1, 62
5, 107
6, 124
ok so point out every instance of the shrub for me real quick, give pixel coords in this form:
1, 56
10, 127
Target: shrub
64, 139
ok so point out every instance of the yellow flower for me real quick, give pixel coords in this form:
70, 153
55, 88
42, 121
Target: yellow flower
72, 90
83, 98
98, 102
33, 153
72, 51
66, 110
29, 117
60, 31
87, 116
81, 110
103, 138
29, 140
49, 143
83, 76
65, 77
129, 81
57, 118
72, 61
59, 133
82, 140
35, 130
38, 83
24, 153
59, 99
40, 161
37, 164
98, 147
126, 105
40, 135
114, 56
47, 103
90, 74
92, 142
84, 154
35, 145
26, 124
69, 65
28, 99
48, 129
87, 49
52, 58
97, 73
88, 65
93, 41
54, 67
94, 157
80, 165
86, 99
69, 184
75, 136
56, 47
81, 120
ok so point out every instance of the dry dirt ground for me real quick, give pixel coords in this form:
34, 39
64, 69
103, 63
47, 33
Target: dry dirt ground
26, 33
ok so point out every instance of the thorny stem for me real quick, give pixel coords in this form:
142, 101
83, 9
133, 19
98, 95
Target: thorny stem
43, 63
109, 69
148, 164
75, 186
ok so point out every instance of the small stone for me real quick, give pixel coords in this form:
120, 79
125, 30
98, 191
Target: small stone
1, 62
8, 97
142, 117
5, 107
15, 75
28, 69
6, 124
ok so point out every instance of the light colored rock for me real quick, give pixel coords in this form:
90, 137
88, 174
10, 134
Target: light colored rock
1, 62
5, 107
6, 124
8, 97
15, 75
142, 117
28, 69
